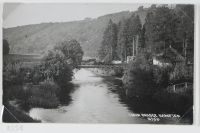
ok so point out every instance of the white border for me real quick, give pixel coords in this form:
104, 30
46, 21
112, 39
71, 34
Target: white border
196, 68
115, 128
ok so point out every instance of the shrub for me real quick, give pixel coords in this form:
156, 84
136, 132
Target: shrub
181, 72
13, 73
56, 67
6, 48
138, 77
44, 95
119, 71
161, 76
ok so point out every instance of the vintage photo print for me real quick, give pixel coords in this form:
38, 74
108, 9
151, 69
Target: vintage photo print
98, 63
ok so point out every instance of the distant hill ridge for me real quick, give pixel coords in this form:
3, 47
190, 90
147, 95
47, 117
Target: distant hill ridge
37, 38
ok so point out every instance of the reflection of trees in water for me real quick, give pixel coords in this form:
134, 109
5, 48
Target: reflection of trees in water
147, 105
65, 91
134, 104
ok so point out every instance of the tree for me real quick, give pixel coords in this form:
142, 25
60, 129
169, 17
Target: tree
149, 32
122, 39
134, 28
109, 43
6, 48
185, 30
138, 77
55, 67
160, 28
72, 52
142, 38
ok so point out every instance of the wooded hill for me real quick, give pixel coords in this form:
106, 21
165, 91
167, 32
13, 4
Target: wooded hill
38, 38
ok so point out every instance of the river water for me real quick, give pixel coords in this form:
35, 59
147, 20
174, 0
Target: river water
97, 99
94, 101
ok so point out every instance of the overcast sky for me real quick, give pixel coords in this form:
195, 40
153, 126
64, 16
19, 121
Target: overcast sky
23, 14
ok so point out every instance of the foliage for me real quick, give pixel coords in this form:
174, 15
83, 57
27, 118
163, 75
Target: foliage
55, 67
181, 72
36, 75
127, 30
6, 47
138, 78
72, 52
175, 27
118, 39
161, 76
122, 40
43, 95
134, 28
13, 73
109, 43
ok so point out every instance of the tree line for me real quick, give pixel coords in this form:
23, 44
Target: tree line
44, 81
164, 26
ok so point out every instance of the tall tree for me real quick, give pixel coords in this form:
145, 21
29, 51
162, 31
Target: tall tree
6, 48
72, 51
185, 29
149, 31
134, 28
160, 28
122, 39
107, 51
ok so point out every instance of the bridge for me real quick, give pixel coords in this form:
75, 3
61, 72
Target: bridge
103, 66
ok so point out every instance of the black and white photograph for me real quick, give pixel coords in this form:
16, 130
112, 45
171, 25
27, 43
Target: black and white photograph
98, 63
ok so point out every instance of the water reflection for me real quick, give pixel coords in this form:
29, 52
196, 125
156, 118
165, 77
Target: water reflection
92, 101
96, 99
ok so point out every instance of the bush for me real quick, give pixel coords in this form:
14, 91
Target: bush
161, 76
44, 95
181, 72
37, 75
56, 67
138, 78
72, 52
6, 48
13, 73
119, 71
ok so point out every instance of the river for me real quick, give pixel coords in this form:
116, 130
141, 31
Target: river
98, 99
94, 101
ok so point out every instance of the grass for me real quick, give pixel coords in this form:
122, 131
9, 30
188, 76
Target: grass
43, 95
27, 61
22, 58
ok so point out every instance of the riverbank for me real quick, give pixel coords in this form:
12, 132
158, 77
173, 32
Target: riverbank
13, 114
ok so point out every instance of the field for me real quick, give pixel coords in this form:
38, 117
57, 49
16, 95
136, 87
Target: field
28, 60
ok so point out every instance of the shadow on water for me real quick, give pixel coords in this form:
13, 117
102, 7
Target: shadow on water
146, 105
64, 94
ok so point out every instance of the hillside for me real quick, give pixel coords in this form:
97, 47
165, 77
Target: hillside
35, 39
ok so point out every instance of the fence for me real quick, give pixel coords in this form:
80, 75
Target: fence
180, 88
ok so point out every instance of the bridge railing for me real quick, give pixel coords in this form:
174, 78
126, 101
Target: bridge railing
101, 66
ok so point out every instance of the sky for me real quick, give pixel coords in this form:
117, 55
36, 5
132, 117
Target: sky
15, 14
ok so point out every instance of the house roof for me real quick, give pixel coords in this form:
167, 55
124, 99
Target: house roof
170, 55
